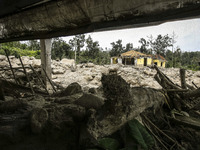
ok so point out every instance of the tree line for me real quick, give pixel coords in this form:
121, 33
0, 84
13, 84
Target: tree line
85, 49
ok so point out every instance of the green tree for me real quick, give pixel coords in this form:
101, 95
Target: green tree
117, 48
16, 44
161, 43
60, 49
33, 45
92, 47
129, 46
144, 45
77, 43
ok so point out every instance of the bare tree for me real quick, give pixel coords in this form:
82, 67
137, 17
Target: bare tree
174, 37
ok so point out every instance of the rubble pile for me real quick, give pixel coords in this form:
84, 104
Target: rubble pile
88, 75
98, 107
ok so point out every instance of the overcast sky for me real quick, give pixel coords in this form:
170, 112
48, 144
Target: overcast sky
187, 31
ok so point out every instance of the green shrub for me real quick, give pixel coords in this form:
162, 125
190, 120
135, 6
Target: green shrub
17, 51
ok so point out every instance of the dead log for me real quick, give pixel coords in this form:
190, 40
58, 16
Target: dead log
177, 90
192, 93
26, 75
190, 87
6, 52
39, 79
165, 81
195, 85
51, 83
122, 105
1, 91
182, 75
186, 121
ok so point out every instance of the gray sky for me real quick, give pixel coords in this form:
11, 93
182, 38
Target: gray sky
187, 31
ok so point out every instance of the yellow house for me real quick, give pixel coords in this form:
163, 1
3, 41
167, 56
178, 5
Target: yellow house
159, 60
139, 59
136, 58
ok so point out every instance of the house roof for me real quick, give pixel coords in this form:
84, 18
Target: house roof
159, 57
133, 53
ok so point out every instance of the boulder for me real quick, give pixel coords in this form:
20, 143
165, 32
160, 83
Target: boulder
68, 62
90, 65
38, 119
90, 101
11, 57
197, 74
4, 63
113, 68
2, 58
58, 70
36, 63
72, 89
68, 99
88, 77
197, 81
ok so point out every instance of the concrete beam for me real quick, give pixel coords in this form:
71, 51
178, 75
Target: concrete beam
46, 60
69, 17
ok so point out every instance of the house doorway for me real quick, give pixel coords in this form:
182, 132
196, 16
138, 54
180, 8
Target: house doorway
132, 61
145, 61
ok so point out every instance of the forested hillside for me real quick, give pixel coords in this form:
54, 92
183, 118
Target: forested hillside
85, 49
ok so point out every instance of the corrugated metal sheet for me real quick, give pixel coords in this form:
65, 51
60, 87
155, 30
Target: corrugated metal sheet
133, 53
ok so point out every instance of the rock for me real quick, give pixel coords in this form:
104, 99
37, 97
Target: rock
197, 74
88, 78
36, 63
11, 57
32, 58
38, 119
104, 70
19, 74
58, 71
149, 73
90, 101
72, 89
90, 65
95, 82
15, 65
4, 64
63, 116
2, 58
113, 68
36, 102
68, 62
197, 81
68, 99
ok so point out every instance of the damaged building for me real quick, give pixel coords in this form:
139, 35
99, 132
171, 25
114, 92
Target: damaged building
136, 58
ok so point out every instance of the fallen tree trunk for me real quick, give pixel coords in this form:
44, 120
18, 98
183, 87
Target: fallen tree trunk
122, 105
186, 121
193, 93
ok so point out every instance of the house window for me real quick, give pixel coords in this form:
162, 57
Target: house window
155, 63
161, 64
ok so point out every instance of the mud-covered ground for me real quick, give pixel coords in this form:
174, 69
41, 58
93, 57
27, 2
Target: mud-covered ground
99, 107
